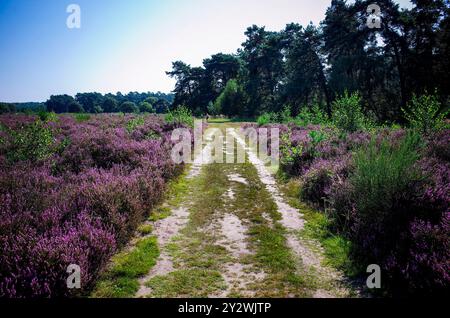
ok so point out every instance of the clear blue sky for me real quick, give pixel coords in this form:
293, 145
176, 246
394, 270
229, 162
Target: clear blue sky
125, 45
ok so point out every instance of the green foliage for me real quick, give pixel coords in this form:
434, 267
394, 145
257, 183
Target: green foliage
146, 107
347, 113
231, 99
110, 105
264, 119
7, 108
145, 229
138, 261
284, 116
214, 109
82, 117
288, 152
384, 173
47, 116
314, 115
316, 138
135, 123
181, 115
121, 280
129, 107
33, 142
424, 113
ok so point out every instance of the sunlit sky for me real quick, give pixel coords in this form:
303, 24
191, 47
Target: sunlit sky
126, 45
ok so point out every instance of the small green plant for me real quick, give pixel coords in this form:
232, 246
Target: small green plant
347, 113
33, 142
314, 115
47, 116
424, 113
285, 115
135, 123
264, 119
316, 138
288, 152
181, 115
82, 117
145, 229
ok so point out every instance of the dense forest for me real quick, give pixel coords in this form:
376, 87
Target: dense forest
313, 65
132, 102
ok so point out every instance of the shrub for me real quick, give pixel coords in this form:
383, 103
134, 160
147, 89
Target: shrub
284, 117
47, 116
316, 184
80, 202
311, 116
347, 113
428, 266
82, 117
181, 115
33, 142
383, 182
424, 113
264, 119
135, 123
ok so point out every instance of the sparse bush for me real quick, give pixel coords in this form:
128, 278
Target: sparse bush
284, 117
82, 117
264, 119
182, 115
47, 116
424, 113
134, 123
347, 113
33, 142
311, 116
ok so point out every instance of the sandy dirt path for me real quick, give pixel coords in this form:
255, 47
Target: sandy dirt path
208, 244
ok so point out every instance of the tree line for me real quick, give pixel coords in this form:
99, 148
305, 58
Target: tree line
132, 102
303, 66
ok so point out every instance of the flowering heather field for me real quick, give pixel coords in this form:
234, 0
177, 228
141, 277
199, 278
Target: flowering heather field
386, 191
72, 191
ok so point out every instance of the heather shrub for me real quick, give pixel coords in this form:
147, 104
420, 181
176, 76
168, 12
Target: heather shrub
428, 267
73, 193
386, 191
316, 184
424, 113
438, 145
